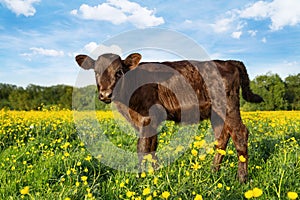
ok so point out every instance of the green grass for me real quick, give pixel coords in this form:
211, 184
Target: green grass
50, 158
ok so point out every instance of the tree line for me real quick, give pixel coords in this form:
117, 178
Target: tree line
278, 94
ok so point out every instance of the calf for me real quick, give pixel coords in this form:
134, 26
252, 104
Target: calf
153, 92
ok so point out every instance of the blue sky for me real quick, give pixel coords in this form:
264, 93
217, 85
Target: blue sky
39, 38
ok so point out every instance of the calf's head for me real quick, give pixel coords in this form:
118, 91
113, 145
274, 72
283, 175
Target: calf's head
109, 68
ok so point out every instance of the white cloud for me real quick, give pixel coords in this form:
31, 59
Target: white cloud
252, 32
118, 12
236, 34
264, 40
281, 12
42, 51
94, 50
21, 7
46, 52
222, 25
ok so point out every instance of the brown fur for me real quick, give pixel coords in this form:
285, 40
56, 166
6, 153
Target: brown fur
148, 105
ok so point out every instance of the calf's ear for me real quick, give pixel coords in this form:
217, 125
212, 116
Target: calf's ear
132, 60
85, 62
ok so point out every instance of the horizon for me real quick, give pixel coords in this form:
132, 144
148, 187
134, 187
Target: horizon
40, 38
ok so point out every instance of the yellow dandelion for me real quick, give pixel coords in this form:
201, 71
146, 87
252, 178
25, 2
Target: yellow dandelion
221, 151
194, 152
202, 157
84, 178
25, 190
198, 197
230, 152
89, 195
220, 185
242, 158
146, 191
249, 194
88, 158
122, 185
257, 192
165, 194
292, 195
143, 175
210, 151
149, 198
67, 198
199, 144
129, 194
195, 166
155, 180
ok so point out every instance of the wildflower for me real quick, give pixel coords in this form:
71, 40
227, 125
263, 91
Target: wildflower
127, 181
179, 148
122, 185
77, 184
195, 166
221, 151
165, 194
129, 194
249, 194
84, 178
89, 195
143, 174
202, 157
194, 152
146, 191
148, 157
199, 144
68, 172
230, 152
220, 185
257, 192
242, 158
210, 151
86, 170
88, 158
292, 195
155, 180
25, 190
227, 188
198, 197
149, 198
67, 198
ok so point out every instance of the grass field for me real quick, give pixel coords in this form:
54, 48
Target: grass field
42, 157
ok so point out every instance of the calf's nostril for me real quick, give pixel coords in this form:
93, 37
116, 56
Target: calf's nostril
109, 96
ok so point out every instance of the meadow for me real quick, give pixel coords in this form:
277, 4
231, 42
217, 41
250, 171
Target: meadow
43, 157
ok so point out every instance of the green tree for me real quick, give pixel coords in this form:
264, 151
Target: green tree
272, 89
5, 91
293, 91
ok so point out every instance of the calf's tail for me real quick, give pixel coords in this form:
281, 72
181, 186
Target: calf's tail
247, 93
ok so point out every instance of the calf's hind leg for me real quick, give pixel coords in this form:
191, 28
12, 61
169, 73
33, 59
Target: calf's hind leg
222, 142
239, 136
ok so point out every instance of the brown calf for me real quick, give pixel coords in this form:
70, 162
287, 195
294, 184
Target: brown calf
148, 93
